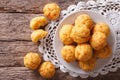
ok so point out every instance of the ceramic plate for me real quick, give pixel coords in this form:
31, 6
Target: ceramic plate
70, 20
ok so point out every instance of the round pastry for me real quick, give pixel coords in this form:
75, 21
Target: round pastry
104, 53
80, 40
47, 70
102, 27
98, 40
51, 11
82, 31
68, 53
32, 60
38, 22
77, 35
84, 19
88, 65
83, 52
65, 34
38, 34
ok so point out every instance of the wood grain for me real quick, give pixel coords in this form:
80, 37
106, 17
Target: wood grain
31, 6
22, 73
15, 26
18, 73
11, 53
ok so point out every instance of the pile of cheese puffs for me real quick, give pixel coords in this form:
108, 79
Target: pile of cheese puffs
85, 41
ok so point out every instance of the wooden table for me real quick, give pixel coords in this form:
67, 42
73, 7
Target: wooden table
15, 40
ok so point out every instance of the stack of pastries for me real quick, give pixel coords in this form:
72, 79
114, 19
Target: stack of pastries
85, 41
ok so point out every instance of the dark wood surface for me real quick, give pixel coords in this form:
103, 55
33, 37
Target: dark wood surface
15, 40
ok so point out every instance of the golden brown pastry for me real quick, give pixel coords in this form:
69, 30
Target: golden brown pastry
102, 27
82, 31
104, 53
77, 34
88, 65
51, 11
32, 60
80, 40
83, 52
47, 70
38, 22
65, 34
98, 40
84, 19
68, 53
38, 34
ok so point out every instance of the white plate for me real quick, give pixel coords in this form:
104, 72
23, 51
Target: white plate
70, 20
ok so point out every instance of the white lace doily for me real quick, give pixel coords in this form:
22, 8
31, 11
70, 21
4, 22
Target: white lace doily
108, 8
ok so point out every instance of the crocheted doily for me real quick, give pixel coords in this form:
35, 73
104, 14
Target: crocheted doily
108, 8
